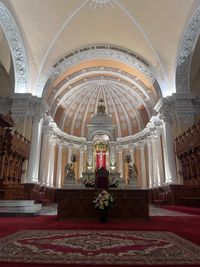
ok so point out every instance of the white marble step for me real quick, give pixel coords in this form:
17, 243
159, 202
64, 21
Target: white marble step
17, 203
19, 207
34, 209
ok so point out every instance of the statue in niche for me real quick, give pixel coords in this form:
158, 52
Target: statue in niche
69, 171
132, 172
132, 175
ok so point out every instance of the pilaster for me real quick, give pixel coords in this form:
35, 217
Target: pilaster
150, 165
59, 165
82, 150
34, 159
143, 165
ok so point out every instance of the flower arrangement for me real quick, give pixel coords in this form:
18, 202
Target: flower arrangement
89, 181
113, 181
103, 201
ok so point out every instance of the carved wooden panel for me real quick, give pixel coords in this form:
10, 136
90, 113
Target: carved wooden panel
78, 204
14, 150
188, 152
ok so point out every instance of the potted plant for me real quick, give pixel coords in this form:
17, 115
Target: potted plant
103, 202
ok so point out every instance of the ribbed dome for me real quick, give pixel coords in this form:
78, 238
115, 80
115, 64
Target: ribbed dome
125, 106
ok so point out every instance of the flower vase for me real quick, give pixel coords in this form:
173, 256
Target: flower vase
103, 216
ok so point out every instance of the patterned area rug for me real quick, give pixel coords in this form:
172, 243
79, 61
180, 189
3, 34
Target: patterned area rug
98, 247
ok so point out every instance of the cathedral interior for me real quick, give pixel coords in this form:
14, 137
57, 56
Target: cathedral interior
89, 84
99, 133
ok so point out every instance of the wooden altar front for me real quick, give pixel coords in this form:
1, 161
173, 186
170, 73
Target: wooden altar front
129, 204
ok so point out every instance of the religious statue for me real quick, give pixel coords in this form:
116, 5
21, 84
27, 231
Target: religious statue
132, 171
132, 175
69, 171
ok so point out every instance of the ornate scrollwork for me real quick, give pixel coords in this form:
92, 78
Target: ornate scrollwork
17, 49
186, 51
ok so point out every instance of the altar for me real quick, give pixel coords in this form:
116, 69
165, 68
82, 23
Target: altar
77, 203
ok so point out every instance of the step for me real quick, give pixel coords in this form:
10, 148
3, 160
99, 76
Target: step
19, 208
17, 203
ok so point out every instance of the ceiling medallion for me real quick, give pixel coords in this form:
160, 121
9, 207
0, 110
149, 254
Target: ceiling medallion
101, 3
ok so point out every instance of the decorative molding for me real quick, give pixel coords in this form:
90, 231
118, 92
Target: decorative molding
103, 4
186, 52
117, 75
49, 126
27, 105
97, 52
16, 46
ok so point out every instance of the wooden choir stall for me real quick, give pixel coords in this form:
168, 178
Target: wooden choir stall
14, 150
188, 152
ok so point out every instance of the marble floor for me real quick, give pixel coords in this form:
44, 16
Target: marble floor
159, 211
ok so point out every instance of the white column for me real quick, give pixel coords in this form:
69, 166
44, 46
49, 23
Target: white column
120, 163
90, 157
51, 163
112, 158
69, 147
132, 153
143, 166
44, 159
169, 157
149, 146
33, 166
47, 165
154, 163
159, 161
82, 149
59, 166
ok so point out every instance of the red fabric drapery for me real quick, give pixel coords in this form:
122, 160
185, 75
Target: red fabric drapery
100, 160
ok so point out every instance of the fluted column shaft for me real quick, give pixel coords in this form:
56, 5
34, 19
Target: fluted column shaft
51, 163
44, 160
69, 147
143, 167
170, 167
59, 166
155, 162
132, 153
33, 166
149, 146
81, 163
90, 157
112, 157
120, 163
160, 180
